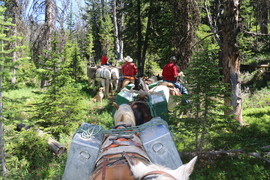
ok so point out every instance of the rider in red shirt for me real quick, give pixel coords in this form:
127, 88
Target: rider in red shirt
170, 73
104, 60
129, 68
129, 71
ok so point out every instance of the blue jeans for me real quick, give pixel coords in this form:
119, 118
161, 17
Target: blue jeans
181, 88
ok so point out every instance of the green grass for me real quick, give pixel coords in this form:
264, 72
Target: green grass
18, 109
249, 138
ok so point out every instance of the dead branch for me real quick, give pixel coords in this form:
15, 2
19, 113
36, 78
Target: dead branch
233, 152
255, 33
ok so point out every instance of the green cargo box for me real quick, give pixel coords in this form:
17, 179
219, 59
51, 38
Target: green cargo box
157, 102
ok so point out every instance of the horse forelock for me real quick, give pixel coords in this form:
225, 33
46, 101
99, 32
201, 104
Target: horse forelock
141, 111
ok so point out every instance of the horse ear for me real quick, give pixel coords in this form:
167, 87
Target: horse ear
115, 105
186, 169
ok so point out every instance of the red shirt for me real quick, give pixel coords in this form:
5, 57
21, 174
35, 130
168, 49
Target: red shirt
104, 60
170, 72
129, 69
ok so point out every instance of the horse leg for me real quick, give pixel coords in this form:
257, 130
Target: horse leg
107, 87
125, 83
115, 82
111, 88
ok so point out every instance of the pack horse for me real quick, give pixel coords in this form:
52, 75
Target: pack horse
125, 152
107, 77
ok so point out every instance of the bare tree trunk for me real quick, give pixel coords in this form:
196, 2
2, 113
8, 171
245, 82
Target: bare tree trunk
145, 46
186, 15
47, 33
230, 57
263, 17
48, 22
2, 147
122, 28
15, 12
2, 144
103, 10
116, 36
139, 40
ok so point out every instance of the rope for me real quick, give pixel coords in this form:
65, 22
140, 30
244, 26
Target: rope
90, 130
143, 92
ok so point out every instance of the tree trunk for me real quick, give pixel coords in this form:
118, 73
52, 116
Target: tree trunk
186, 15
122, 28
263, 17
47, 39
148, 29
116, 35
2, 148
103, 10
48, 22
139, 40
230, 57
15, 12
2, 144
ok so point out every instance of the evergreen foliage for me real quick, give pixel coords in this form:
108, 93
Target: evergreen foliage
66, 101
204, 111
6, 64
74, 61
106, 37
58, 109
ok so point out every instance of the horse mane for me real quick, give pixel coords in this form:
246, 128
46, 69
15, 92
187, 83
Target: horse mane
140, 170
141, 111
124, 115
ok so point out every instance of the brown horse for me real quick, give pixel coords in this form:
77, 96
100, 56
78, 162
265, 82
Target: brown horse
123, 156
138, 111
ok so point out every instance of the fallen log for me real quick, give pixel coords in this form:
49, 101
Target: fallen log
54, 145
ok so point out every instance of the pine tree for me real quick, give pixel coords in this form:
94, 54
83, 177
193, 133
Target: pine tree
58, 108
206, 92
106, 35
5, 65
74, 61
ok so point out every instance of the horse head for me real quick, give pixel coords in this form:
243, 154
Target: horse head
140, 84
141, 111
153, 171
124, 115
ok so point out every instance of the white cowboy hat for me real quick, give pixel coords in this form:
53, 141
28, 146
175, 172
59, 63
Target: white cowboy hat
128, 59
173, 58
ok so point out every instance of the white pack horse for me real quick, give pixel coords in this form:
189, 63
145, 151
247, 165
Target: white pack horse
107, 78
169, 98
140, 168
115, 75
